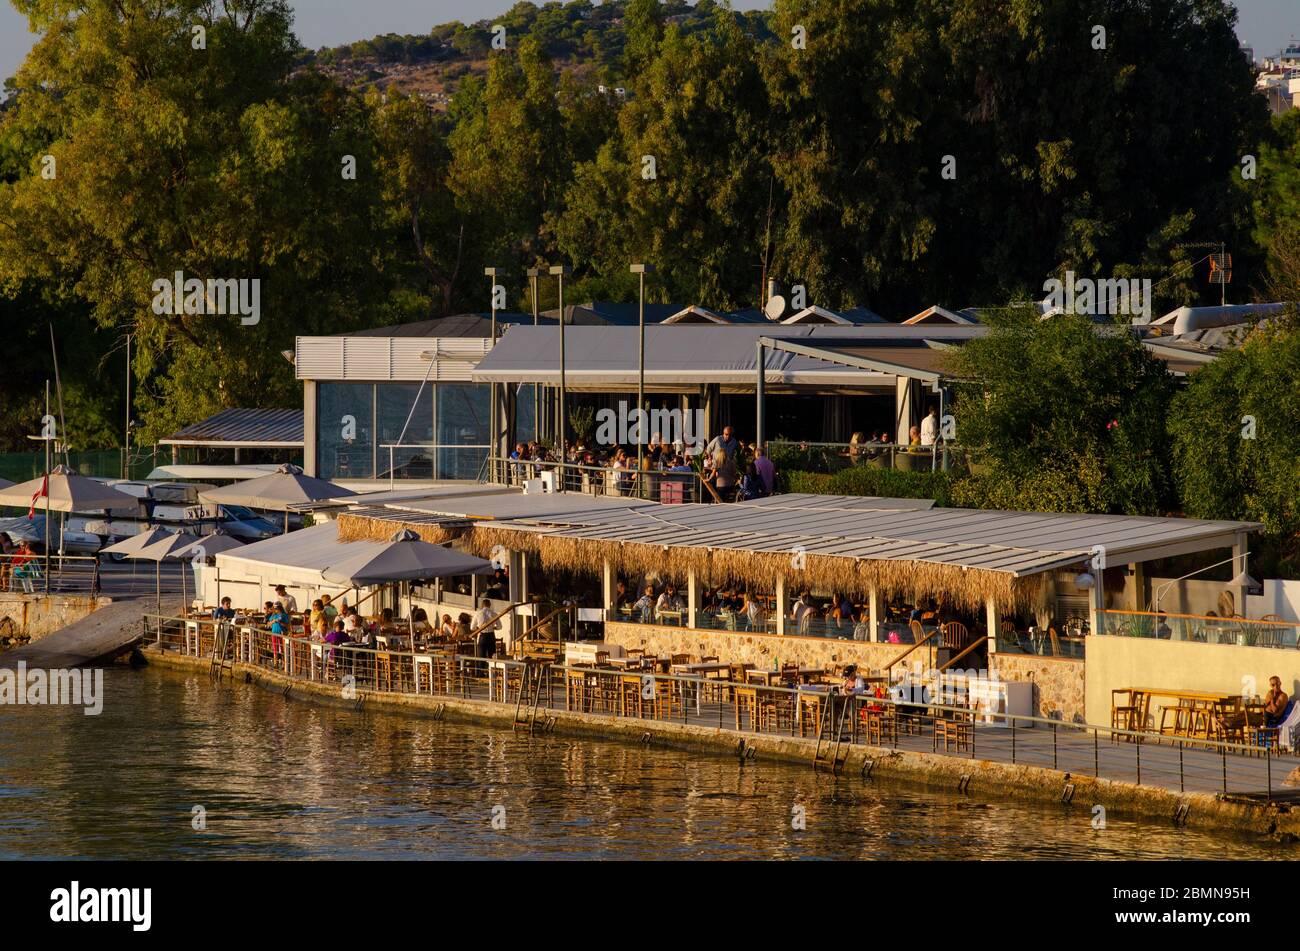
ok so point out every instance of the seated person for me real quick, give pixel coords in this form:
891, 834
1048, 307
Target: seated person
1163, 630
1274, 702
645, 605
668, 601
225, 612
853, 682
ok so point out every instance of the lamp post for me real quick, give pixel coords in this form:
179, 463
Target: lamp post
561, 272
491, 274
640, 270
533, 274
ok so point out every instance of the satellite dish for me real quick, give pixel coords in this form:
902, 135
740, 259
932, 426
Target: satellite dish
774, 309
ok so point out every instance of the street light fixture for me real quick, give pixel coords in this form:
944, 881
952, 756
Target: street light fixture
640, 270
491, 274
561, 271
533, 274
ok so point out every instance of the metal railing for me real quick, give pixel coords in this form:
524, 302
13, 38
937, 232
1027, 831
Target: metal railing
834, 456
657, 486
954, 715
1242, 632
67, 574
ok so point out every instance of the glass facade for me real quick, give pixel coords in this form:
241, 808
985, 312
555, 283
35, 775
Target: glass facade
345, 431
360, 429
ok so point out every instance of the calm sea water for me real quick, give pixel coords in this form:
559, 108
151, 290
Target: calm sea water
282, 778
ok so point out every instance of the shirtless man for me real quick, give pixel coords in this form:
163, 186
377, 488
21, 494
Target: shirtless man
1274, 702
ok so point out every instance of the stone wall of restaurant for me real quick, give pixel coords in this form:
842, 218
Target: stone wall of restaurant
32, 616
761, 650
1058, 681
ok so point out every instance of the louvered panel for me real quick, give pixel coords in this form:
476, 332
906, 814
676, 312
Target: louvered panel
366, 358
318, 358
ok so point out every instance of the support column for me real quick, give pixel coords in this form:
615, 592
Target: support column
781, 606
310, 425
607, 588
692, 599
514, 566
873, 617
1239, 568
760, 394
991, 624
1138, 576
902, 409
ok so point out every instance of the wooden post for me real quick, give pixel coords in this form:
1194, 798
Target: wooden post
991, 624
780, 604
607, 588
873, 602
692, 598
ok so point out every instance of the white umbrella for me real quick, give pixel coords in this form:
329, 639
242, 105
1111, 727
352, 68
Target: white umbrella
212, 544
67, 492
404, 559
279, 491
131, 546
165, 549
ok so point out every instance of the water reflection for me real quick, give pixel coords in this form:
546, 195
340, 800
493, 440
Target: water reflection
284, 778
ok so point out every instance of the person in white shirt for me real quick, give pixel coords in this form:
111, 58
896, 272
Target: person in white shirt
284, 597
803, 613
930, 428
668, 601
485, 614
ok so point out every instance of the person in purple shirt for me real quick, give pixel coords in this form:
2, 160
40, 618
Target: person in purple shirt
766, 471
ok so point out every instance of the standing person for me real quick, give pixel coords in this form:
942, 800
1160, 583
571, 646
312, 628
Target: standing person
331, 612
722, 474
279, 620
766, 471
487, 637
930, 428
288, 601
726, 442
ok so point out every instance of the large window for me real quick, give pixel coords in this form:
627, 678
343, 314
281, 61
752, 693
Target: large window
462, 413
360, 424
398, 403
345, 431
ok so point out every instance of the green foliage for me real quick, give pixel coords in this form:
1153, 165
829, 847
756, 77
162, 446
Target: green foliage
866, 481
1067, 418
1235, 430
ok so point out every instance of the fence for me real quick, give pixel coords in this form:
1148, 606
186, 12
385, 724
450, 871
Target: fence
834, 456
27, 574
1243, 632
952, 715
667, 487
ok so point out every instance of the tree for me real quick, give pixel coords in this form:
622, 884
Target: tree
1069, 418
1236, 438
209, 159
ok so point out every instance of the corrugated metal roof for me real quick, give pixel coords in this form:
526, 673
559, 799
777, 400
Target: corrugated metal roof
265, 428
1018, 543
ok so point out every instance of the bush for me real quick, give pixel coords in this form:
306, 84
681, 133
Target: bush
860, 480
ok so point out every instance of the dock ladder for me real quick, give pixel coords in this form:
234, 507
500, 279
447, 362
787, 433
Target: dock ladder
220, 648
831, 732
536, 672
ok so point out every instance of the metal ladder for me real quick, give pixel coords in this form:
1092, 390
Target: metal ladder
834, 755
530, 695
220, 645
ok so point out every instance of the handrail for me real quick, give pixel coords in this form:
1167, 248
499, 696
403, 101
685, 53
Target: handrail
486, 624
1197, 617
892, 663
965, 650
529, 633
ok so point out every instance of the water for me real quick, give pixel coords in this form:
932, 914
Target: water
284, 778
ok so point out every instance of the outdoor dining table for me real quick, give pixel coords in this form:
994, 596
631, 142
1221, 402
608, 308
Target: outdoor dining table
696, 675
1193, 696
774, 678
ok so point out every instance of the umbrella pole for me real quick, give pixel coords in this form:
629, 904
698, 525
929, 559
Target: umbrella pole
183, 597
286, 522
157, 584
410, 613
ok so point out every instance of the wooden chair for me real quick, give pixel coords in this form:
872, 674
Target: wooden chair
1125, 715
383, 670
956, 728
630, 701
1055, 641
679, 659
880, 725
746, 708
811, 706
575, 691
775, 712
953, 636
667, 701
918, 631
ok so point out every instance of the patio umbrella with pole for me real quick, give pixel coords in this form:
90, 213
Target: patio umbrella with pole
170, 548
65, 491
211, 544
278, 491
131, 548
402, 560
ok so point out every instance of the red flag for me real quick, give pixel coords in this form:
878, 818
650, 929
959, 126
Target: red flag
43, 492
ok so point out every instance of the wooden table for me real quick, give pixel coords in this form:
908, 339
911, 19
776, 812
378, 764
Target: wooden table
1196, 696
